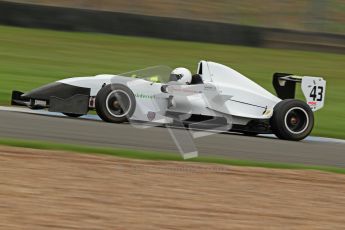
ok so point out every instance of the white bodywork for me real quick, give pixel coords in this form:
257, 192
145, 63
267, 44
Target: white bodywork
224, 93
314, 90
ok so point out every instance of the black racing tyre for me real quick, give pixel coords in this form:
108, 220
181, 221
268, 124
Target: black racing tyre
115, 103
72, 115
292, 120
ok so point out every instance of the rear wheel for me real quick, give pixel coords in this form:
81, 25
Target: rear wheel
292, 120
115, 103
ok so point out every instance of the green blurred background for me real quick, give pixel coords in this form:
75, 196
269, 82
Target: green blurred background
32, 57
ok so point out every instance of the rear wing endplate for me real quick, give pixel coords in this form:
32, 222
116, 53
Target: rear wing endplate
313, 88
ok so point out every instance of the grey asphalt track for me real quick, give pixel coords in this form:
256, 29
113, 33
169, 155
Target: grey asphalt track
98, 133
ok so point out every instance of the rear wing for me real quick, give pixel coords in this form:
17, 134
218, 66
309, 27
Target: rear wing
313, 88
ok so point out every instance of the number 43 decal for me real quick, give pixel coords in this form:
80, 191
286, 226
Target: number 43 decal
317, 93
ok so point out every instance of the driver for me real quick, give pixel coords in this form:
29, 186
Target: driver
181, 75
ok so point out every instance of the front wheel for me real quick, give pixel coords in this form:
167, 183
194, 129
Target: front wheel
292, 120
115, 103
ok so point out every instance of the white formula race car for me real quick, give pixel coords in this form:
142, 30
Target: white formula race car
217, 97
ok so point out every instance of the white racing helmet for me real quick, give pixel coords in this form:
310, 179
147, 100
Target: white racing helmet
181, 75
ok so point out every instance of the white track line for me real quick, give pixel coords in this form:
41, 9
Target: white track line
95, 117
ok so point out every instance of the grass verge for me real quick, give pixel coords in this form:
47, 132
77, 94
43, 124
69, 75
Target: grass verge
148, 155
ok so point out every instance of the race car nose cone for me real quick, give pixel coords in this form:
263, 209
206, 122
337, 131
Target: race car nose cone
56, 89
44, 92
